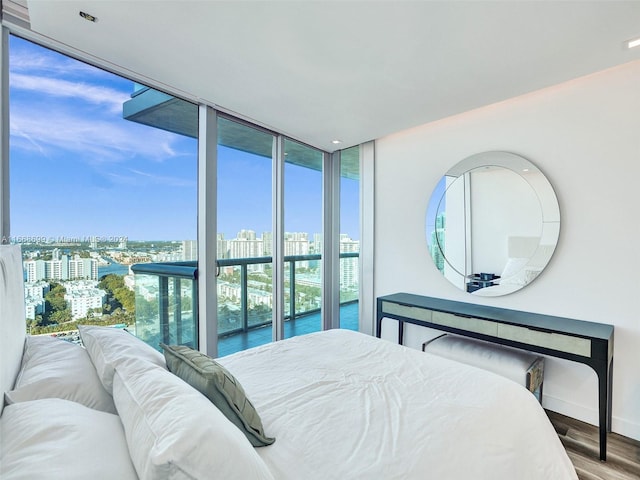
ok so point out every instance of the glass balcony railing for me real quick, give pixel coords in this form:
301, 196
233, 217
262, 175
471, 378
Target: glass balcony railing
167, 297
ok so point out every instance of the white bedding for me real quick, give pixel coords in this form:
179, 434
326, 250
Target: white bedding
496, 290
344, 405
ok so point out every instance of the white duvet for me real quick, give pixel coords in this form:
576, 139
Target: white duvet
344, 405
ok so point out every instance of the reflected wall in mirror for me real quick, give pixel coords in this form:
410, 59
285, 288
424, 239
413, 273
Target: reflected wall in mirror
493, 223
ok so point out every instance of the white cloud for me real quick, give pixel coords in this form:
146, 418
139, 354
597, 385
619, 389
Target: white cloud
30, 58
97, 95
95, 141
171, 181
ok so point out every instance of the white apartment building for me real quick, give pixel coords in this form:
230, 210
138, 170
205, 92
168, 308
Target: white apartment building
317, 243
57, 269
255, 297
297, 243
34, 301
83, 268
246, 245
34, 270
246, 235
267, 241
61, 268
189, 250
348, 266
81, 300
222, 246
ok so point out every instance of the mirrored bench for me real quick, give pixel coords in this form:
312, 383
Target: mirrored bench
580, 341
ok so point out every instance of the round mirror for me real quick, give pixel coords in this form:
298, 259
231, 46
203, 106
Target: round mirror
493, 223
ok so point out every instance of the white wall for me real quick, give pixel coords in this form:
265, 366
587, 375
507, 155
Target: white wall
585, 136
503, 205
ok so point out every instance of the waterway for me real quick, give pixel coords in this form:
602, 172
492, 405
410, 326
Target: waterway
114, 267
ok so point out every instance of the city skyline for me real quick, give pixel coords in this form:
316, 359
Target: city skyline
109, 177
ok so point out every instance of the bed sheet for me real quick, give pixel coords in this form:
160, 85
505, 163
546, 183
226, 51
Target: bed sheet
345, 405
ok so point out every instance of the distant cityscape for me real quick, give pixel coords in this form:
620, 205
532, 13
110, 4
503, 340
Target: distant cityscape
437, 241
80, 263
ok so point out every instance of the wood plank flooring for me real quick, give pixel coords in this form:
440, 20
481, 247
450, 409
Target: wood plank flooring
581, 442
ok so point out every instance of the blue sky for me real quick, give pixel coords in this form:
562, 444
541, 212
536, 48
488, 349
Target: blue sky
78, 169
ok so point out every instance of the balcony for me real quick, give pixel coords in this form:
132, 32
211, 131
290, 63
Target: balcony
167, 300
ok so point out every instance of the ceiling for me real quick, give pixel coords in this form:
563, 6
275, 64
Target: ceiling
352, 71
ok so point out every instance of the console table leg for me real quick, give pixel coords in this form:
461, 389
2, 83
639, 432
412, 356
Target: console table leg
604, 411
609, 396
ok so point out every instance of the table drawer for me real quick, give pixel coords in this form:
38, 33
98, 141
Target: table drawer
470, 324
415, 313
554, 341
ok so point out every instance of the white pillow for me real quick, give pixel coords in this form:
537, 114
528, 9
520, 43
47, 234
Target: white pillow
50, 439
54, 368
174, 432
514, 266
108, 346
523, 277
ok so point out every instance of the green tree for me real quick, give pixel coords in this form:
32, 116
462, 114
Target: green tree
126, 298
55, 298
118, 295
61, 316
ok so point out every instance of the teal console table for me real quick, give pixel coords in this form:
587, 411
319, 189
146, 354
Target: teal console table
589, 343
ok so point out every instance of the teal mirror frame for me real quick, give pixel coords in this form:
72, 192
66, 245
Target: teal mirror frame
492, 223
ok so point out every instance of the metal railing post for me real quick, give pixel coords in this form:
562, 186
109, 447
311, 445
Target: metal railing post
163, 307
292, 289
177, 309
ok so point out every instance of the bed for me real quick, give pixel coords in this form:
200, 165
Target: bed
329, 405
527, 257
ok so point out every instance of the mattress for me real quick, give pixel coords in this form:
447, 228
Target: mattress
344, 405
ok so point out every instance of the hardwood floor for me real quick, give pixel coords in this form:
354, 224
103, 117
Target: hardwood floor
581, 442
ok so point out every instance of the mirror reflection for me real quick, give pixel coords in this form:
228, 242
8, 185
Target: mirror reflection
492, 223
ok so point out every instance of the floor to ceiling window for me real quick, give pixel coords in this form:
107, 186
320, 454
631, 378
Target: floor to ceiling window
104, 201
349, 237
102, 176
244, 238
302, 238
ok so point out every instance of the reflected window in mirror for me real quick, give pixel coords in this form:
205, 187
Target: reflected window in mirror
492, 223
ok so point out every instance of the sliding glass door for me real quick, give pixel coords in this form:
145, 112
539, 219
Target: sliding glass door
302, 239
349, 237
244, 238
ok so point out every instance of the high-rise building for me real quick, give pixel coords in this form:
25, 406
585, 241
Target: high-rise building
438, 241
35, 270
61, 268
82, 268
267, 241
56, 269
246, 235
189, 250
297, 243
246, 245
222, 246
317, 243
348, 266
